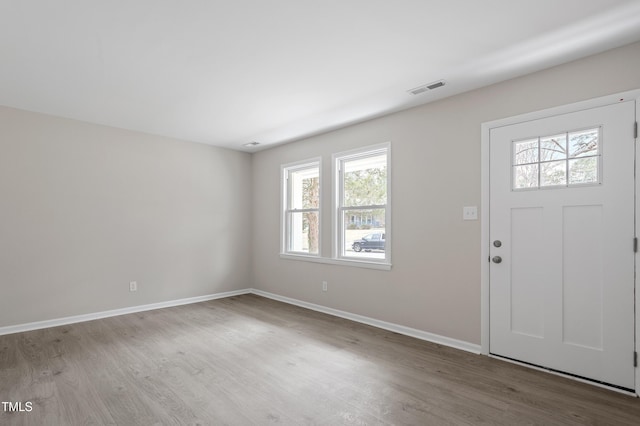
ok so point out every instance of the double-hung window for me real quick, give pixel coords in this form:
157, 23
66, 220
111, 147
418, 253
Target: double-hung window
301, 218
362, 204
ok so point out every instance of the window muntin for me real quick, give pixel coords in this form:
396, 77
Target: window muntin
560, 160
302, 209
362, 205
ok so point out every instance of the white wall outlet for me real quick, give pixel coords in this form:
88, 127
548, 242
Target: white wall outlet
133, 286
324, 286
470, 213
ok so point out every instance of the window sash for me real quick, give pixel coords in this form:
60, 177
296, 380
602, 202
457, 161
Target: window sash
340, 220
288, 234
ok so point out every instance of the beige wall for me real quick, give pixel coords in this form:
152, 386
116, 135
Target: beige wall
434, 284
84, 209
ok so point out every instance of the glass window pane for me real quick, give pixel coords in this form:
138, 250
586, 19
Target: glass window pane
304, 236
553, 147
364, 234
365, 181
305, 188
525, 176
553, 173
583, 143
554, 160
525, 152
583, 170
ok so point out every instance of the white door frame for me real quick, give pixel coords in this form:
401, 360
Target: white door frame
484, 238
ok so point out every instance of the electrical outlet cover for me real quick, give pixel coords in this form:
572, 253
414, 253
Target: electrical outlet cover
470, 213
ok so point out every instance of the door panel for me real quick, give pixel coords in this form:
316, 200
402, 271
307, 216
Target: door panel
563, 295
583, 280
527, 302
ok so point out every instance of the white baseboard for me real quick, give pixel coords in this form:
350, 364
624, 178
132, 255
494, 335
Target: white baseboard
115, 312
408, 331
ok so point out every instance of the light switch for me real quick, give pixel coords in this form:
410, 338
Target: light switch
470, 213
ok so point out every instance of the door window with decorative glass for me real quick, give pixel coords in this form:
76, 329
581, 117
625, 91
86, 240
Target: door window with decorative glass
560, 160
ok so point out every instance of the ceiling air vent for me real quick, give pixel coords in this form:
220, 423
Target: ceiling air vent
425, 87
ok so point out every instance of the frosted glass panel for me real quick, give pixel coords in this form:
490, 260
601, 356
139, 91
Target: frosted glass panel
583, 143
525, 176
583, 170
525, 152
554, 173
553, 147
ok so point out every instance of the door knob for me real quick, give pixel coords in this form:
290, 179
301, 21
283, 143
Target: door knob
496, 259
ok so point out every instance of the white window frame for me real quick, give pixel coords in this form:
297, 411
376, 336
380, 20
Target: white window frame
285, 202
338, 216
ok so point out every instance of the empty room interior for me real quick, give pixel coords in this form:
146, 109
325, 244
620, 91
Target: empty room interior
319, 212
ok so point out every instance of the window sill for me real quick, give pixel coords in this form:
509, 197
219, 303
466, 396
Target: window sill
341, 262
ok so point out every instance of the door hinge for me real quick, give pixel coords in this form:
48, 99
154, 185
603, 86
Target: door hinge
635, 245
635, 359
635, 130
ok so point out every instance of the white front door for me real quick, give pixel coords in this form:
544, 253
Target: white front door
561, 231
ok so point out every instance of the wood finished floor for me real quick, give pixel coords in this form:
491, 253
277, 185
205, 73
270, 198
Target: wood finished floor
248, 360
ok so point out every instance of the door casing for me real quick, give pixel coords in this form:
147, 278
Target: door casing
485, 191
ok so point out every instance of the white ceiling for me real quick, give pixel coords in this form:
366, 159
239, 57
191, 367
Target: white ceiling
230, 72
